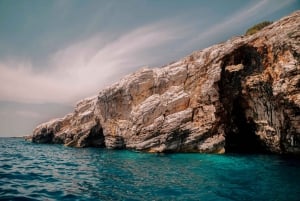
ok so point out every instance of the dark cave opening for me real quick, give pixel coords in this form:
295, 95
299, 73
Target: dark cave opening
95, 137
240, 130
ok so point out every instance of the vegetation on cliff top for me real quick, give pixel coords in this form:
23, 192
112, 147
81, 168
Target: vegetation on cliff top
257, 27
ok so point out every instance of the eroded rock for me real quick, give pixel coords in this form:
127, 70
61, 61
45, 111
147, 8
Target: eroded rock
242, 95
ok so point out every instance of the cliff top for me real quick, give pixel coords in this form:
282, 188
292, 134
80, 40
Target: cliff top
241, 95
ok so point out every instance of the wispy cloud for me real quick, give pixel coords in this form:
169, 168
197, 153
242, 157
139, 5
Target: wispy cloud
83, 68
248, 14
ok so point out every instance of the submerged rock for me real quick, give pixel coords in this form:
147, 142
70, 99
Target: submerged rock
241, 95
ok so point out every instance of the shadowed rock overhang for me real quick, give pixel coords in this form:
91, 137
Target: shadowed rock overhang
238, 96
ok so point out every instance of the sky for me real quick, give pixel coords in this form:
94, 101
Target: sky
54, 53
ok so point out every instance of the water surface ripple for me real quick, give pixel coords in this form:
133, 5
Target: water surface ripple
55, 172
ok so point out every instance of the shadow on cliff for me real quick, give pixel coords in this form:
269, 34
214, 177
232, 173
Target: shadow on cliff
239, 129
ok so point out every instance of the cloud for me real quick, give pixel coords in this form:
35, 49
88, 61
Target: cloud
27, 114
85, 67
259, 9
19, 119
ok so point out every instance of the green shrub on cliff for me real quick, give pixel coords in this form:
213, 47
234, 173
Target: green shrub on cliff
257, 27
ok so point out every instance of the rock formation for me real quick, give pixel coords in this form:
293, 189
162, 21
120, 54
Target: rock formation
240, 95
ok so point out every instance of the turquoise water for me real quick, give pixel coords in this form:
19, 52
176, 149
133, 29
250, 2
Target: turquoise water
54, 172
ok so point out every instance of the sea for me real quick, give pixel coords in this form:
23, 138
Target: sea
54, 172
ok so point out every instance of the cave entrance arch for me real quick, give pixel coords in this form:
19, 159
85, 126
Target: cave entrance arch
239, 129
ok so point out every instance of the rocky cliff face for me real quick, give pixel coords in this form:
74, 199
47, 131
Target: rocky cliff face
241, 95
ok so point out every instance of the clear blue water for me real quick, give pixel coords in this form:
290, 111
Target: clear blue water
54, 172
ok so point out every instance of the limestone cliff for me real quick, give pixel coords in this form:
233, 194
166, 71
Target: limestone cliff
241, 95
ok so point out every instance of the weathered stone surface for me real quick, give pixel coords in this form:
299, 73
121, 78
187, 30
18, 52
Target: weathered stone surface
241, 95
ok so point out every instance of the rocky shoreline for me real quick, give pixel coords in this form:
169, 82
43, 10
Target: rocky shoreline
242, 95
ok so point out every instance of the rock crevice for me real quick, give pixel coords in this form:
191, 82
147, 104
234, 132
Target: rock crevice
238, 96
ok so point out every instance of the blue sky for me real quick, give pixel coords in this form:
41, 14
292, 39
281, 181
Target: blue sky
54, 53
